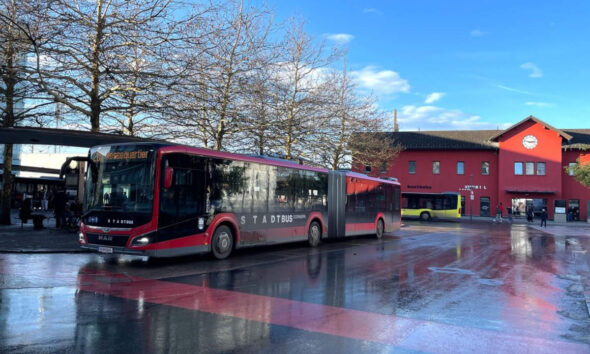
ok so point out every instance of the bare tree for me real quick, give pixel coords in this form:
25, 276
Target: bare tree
86, 61
16, 30
214, 93
151, 68
260, 129
375, 149
299, 86
351, 127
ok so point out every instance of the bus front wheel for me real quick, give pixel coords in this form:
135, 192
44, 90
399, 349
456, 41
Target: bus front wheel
424, 216
380, 229
222, 242
314, 234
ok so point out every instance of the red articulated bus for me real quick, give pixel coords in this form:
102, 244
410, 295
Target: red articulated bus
165, 200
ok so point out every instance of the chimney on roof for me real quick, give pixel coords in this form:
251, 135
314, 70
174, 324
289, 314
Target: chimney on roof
395, 125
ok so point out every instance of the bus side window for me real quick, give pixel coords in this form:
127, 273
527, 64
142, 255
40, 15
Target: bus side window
438, 204
260, 188
350, 195
448, 203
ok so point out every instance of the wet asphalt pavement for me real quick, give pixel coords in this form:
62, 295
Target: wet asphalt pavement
437, 287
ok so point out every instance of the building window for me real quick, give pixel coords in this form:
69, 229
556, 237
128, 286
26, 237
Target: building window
411, 167
530, 168
435, 167
541, 168
485, 168
383, 168
571, 167
460, 167
518, 168
367, 168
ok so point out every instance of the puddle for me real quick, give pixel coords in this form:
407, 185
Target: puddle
451, 270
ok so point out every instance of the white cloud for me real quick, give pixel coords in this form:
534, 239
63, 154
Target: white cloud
310, 78
513, 89
372, 10
340, 38
540, 104
433, 97
381, 82
535, 71
438, 118
477, 33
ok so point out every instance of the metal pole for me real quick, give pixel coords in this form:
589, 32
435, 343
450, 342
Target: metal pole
471, 197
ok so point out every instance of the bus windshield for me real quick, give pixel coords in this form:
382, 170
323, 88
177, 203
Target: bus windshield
121, 179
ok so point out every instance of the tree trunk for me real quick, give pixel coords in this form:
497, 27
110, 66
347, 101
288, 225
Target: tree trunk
6, 186
219, 135
95, 102
8, 121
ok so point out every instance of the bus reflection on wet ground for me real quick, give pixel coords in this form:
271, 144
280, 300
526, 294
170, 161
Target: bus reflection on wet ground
436, 287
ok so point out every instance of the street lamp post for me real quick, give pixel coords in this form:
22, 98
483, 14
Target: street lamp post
471, 197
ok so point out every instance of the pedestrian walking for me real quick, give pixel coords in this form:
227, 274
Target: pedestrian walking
544, 218
498, 213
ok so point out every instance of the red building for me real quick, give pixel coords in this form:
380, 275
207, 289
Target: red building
523, 166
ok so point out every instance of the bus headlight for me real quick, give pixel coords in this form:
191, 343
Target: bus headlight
81, 238
140, 241
201, 223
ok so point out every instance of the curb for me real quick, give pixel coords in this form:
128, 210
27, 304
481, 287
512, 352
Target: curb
42, 251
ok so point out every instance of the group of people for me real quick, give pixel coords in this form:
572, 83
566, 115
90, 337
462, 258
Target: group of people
529, 214
63, 208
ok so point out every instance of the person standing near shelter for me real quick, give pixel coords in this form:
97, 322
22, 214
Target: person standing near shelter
544, 218
44, 201
60, 208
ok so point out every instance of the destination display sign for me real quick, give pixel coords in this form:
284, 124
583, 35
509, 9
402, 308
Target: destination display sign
122, 155
127, 155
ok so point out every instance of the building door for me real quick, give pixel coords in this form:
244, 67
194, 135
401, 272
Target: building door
520, 207
484, 206
573, 209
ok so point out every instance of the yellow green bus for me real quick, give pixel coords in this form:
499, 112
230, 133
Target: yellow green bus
426, 206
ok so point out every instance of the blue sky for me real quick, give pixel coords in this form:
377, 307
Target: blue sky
462, 64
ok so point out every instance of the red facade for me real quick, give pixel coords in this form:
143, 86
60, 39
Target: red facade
526, 164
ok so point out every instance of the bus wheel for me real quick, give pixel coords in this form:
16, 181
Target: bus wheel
380, 229
314, 234
222, 242
425, 216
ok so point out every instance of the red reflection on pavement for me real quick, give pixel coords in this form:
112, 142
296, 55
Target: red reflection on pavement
387, 329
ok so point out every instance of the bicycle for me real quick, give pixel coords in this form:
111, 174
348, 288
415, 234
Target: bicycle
72, 223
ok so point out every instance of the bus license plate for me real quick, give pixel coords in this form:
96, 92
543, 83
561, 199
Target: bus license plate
105, 249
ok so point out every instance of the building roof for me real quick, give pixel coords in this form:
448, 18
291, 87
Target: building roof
580, 139
574, 139
446, 140
536, 120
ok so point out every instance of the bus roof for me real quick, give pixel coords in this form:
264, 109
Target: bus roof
170, 148
369, 178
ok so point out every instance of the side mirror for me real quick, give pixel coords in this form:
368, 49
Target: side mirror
168, 173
